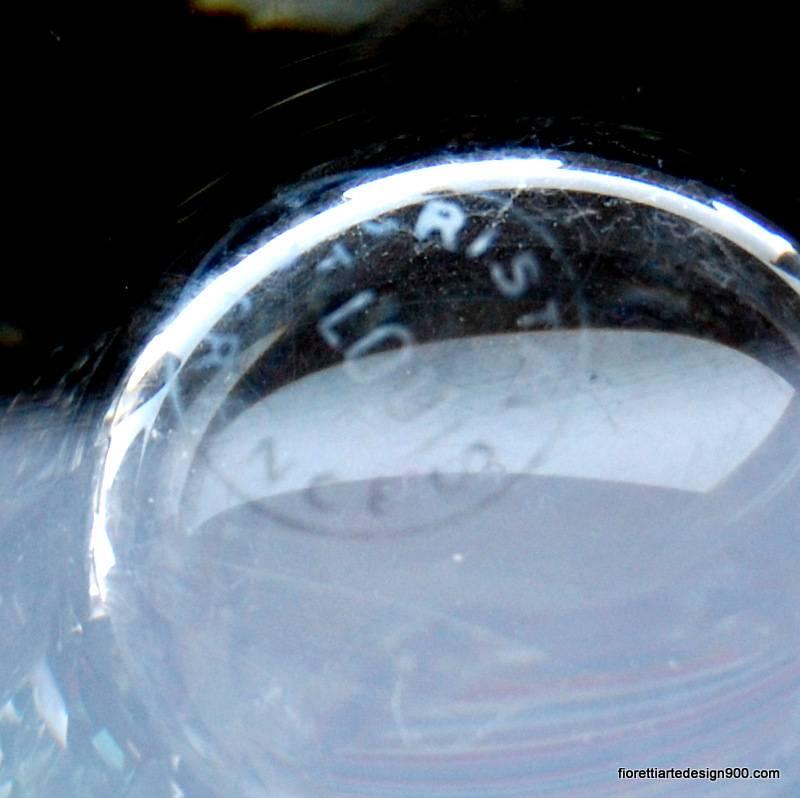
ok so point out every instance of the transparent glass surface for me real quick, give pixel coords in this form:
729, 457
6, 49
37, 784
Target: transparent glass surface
474, 477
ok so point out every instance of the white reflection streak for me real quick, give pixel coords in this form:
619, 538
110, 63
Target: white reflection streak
543, 173
363, 202
753, 229
49, 702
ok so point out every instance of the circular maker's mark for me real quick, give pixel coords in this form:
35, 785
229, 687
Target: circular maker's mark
480, 470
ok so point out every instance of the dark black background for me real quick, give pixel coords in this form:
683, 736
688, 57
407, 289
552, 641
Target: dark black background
145, 129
